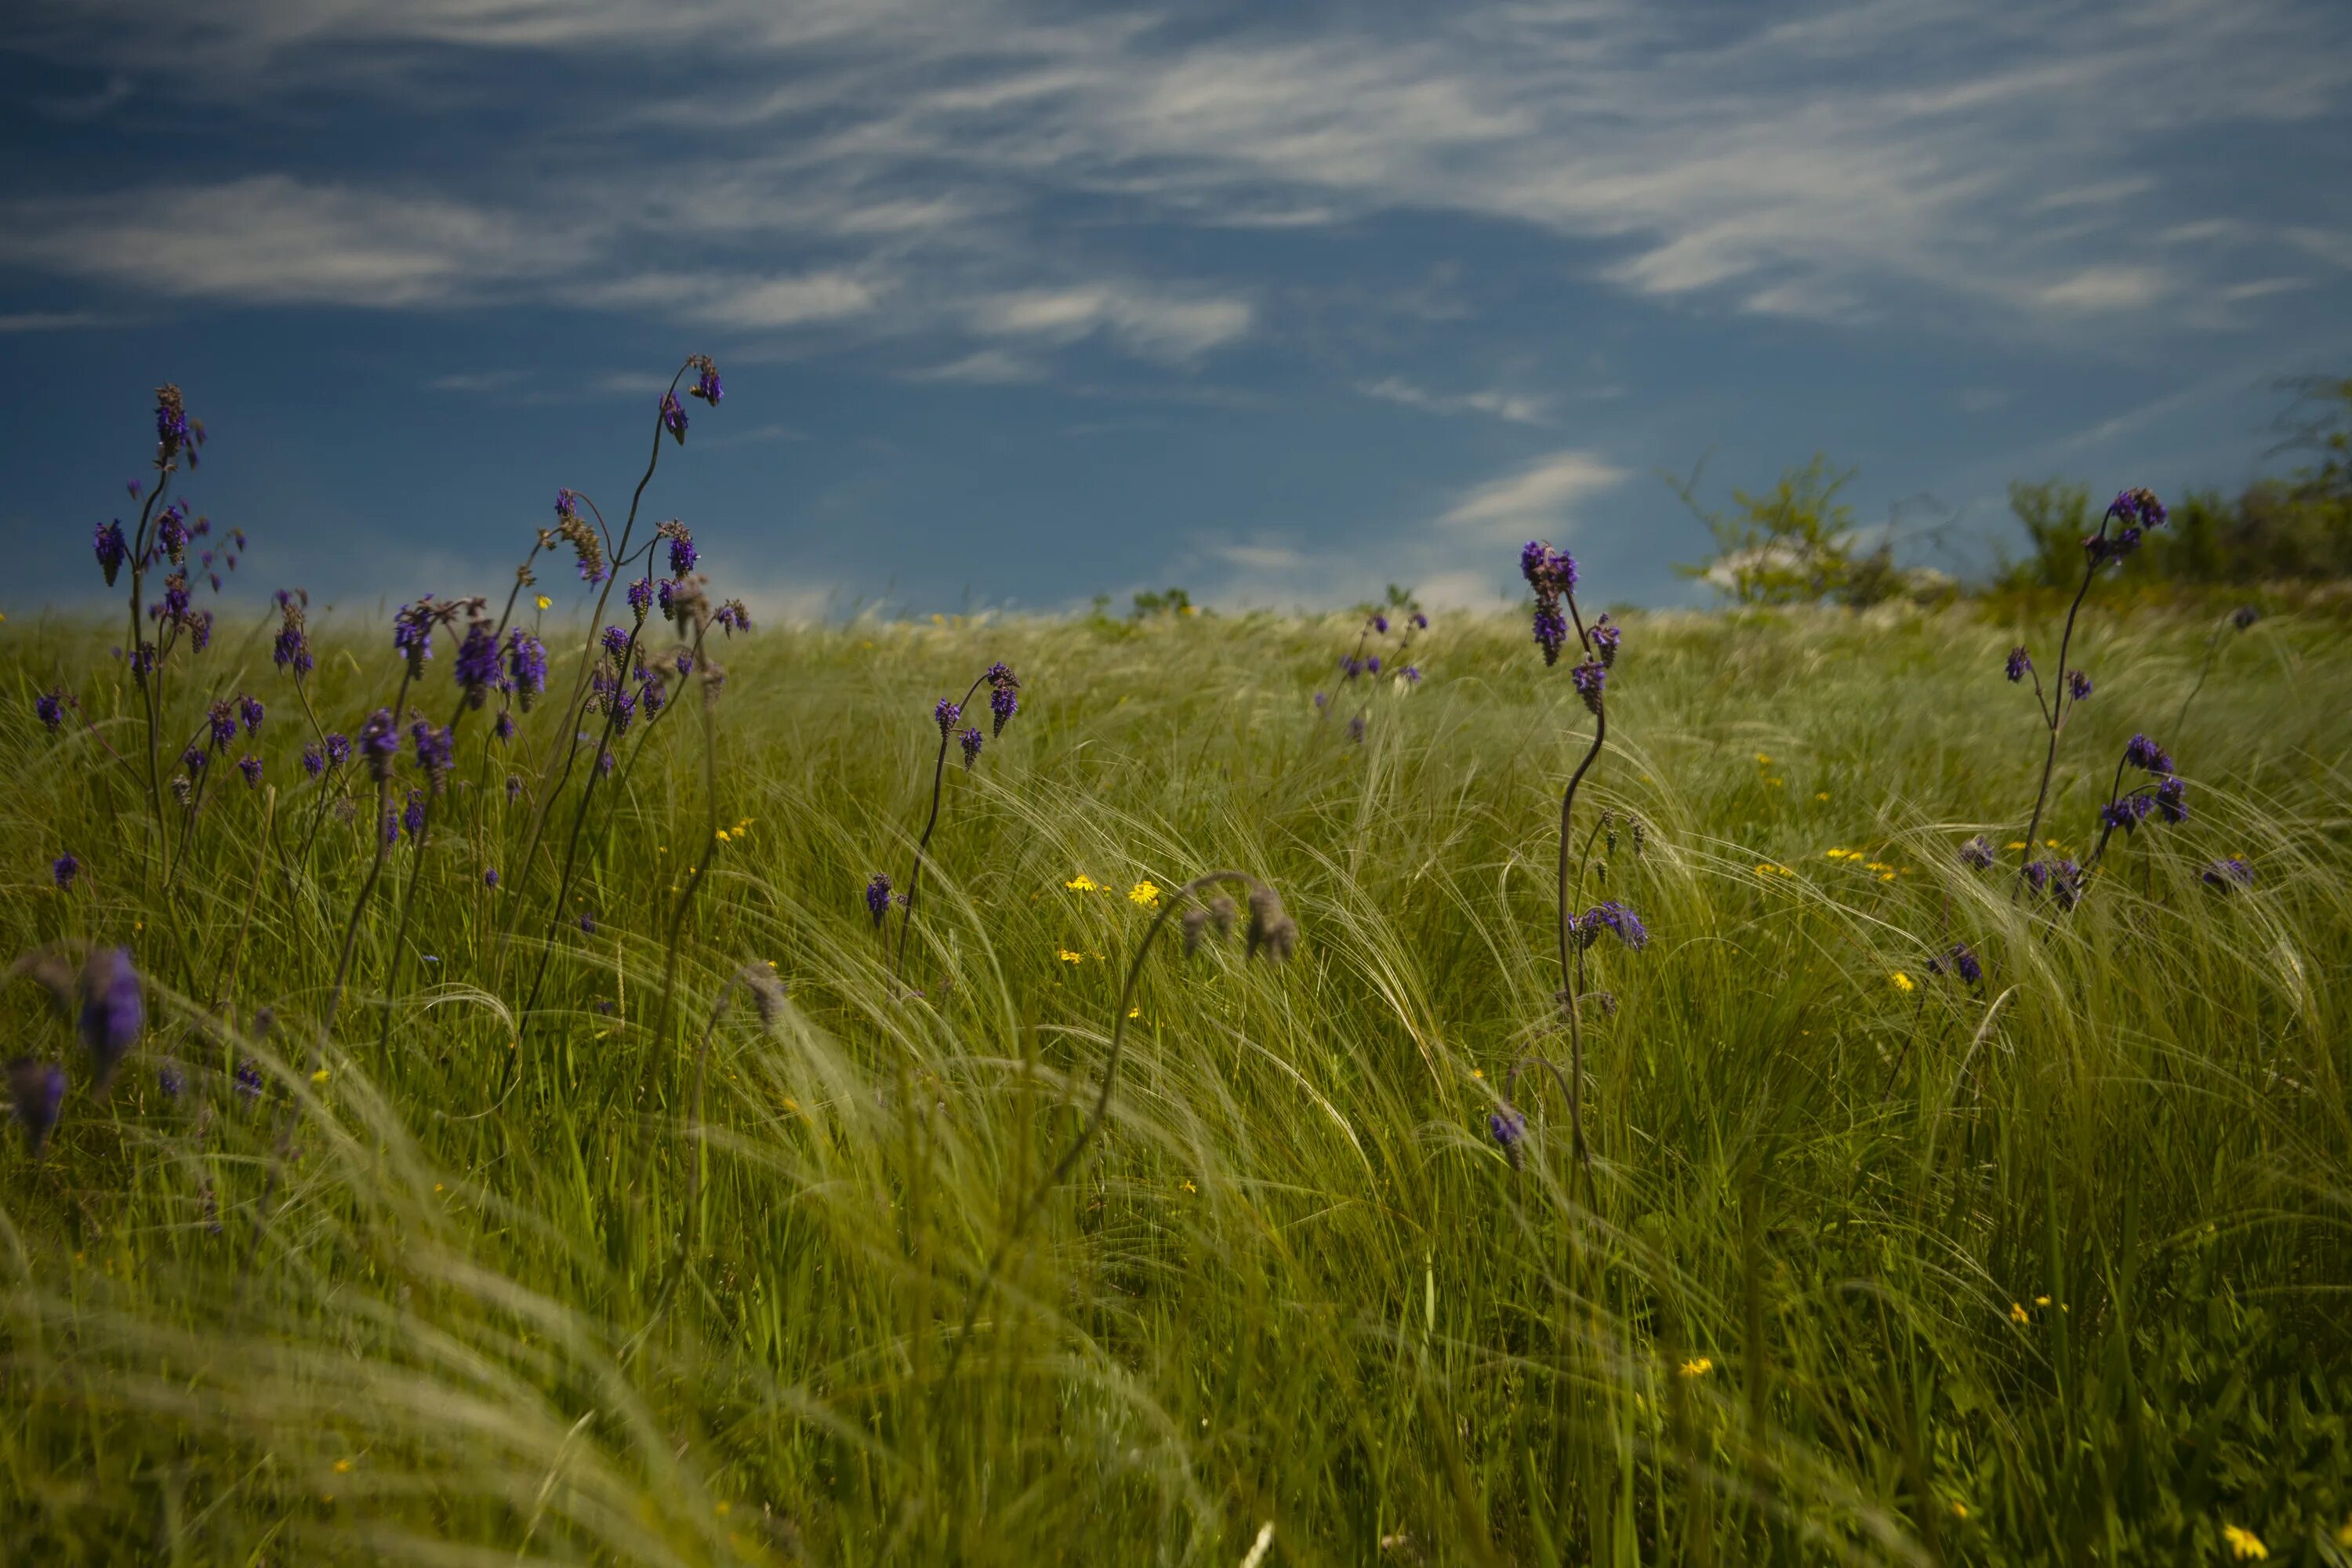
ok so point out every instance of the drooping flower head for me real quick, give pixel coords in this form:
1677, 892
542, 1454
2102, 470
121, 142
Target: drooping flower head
175, 431
2146, 754
706, 384
878, 896
971, 741
436, 749
314, 760
947, 711
615, 642
1379, 623
64, 869
1551, 573
1615, 918
112, 548
1508, 1127
1589, 677
250, 766
172, 532
1961, 960
38, 1089
1606, 634
412, 815
673, 417
1977, 854
2228, 876
1550, 631
477, 663
2019, 663
504, 728
378, 744
113, 1011
292, 650
2125, 813
2172, 801
2138, 507
49, 707
250, 710
220, 717
339, 748
2078, 685
411, 634
732, 618
641, 596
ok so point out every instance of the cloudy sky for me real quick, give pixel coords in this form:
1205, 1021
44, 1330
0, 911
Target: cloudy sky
1020, 303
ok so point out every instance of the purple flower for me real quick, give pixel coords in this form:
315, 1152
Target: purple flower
947, 713
411, 634
436, 749
250, 766
112, 551
514, 786
477, 663
685, 664
2172, 801
2125, 814
1615, 918
390, 827
314, 761
1411, 672
339, 748
1004, 703
194, 759
39, 1087
2228, 875
526, 666
1322, 698
200, 630
2078, 685
412, 815
1551, 631
221, 716
1588, 678
1548, 572
878, 896
588, 923
2019, 663
567, 504
250, 710
641, 596
172, 433
605, 764
707, 386
379, 745
1381, 624
490, 878
113, 1011
1605, 638
1977, 854
2138, 506
1508, 1127
651, 695
2061, 879
1373, 663
673, 417
1959, 959
733, 617
292, 648
171, 1080
971, 741
247, 1077
172, 531
616, 643
1356, 728
64, 868
1419, 621
2144, 754
504, 728
682, 553
49, 707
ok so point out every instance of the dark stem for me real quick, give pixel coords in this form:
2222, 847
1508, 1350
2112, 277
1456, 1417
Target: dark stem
915, 877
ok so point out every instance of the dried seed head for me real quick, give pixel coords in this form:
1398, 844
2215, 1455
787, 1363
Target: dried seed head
1221, 914
1271, 930
1196, 926
767, 994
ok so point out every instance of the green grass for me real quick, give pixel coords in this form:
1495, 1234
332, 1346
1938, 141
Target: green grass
514, 1298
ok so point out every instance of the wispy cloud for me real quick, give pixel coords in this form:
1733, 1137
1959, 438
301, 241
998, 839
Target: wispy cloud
1156, 324
1542, 496
1518, 408
982, 367
52, 320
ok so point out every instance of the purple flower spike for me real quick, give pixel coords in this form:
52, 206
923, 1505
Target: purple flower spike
2228, 876
504, 728
878, 896
221, 719
1004, 703
2146, 754
2172, 801
1959, 960
49, 707
490, 878
1977, 854
112, 548
1356, 728
412, 815
1508, 1127
2078, 685
39, 1087
477, 663
971, 741
1605, 638
526, 666
641, 596
2019, 665
1589, 677
673, 417
314, 760
250, 766
682, 553
411, 634
339, 749
1381, 624
707, 387
947, 713
436, 749
113, 1011
1551, 631
379, 745
64, 869
1617, 919
250, 710
616, 642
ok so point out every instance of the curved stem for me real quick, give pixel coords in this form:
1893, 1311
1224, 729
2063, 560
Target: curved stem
915, 877
1568, 965
2057, 704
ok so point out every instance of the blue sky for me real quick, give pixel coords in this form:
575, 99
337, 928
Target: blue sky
1020, 303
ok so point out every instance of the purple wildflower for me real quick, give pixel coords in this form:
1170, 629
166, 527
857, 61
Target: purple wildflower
1356, 728
1551, 631
221, 718
706, 386
2172, 801
2078, 685
504, 728
514, 786
1381, 624
673, 417
1589, 677
733, 617
112, 551
1509, 1128
250, 766
2138, 505
604, 761
682, 553
588, 923
616, 643
1959, 960
113, 1011
2019, 665
526, 666
172, 531
171, 1080
1547, 570
1605, 637
1004, 702
947, 713
378, 744
195, 758
436, 749
2144, 754
247, 1078
490, 878
1977, 854
971, 741
2228, 875
1322, 698
878, 896
250, 710
314, 761
412, 815
63, 870
2125, 814
339, 748
1617, 919
641, 596
39, 1087
411, 634
1419, 621
292, 648
49, 707
477, 663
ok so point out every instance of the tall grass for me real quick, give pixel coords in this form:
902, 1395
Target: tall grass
2051, 1270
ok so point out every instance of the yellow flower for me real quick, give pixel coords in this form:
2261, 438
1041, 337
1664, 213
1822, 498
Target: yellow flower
2017, 1314
544, 601
319, 1078
1066, 956
1901, 981
1835, 854
2042, 1300
1880, 866
1886, 876
1190, 1188
1145, 894
1821, 794
1082, 883
1774, 782
1959, 1509
1697, 1366
1477, 1072
721, 835
1761, 759
2017, 844
1135, 1012
2244, 1544
342, 1467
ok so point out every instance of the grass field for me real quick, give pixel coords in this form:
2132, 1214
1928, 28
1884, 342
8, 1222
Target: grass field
1869, 1264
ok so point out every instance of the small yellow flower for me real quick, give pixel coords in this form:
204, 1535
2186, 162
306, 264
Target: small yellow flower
439, 1188
1477, 1072
2244, 1544
1144, 895
1886, 876
1190, 1188
1082, 883
1762, 760
724, 1508
544, 601
2017, 1314
1959, 1509
2344, 1533
1821, 794
2042, 1300
1774, 782
2017, 844
1901, 981
1066, 956
721, 835
319, 1078
342, 1467
1880, 866
1135, 1012
1697, 1366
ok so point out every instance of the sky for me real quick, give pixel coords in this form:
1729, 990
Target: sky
1018, 304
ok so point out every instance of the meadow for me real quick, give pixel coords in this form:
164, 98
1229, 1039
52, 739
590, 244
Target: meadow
673, 1196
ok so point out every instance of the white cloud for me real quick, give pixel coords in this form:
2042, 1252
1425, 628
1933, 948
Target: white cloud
51, 321
1157, 325
1518, 408
1542, 496
2107, 289
984, 367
